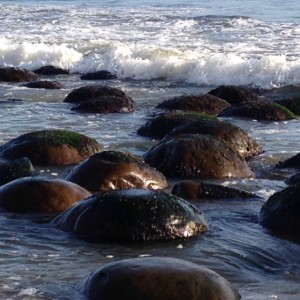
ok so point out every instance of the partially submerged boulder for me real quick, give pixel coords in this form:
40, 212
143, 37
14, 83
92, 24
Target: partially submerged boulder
133, 215
98, 75
197, 156
51, 70
191, 190
40, 195
292, 162
163, 123
208, 104
12, 74
51, 147
155, 278
44, 84
233, 135
294, 179
292, 104
110, 170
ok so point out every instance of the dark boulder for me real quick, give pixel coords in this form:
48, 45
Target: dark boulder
294, 179
163, 123
11, 74
259, 110
40, 195
51, 70
208, 104
191, 190
44, 84
155, 278
132, 215
106, 104
292, 104
110, 170
98, 75
292, 162
233, 135
234, 94
51, 147
197, 156
281, 212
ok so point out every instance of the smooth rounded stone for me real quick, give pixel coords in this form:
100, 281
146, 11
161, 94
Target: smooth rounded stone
40, 195
111, 170
11, 74
106, 104
281, 212
197, 156
259, 110
156, 278
44, 84
208, 104
234, 94
292, 104
87, 93
163, 123
235, 136
14, 169
51, 70
292, 162
98, 75
51, 147
294, 179
133, 215
191, 190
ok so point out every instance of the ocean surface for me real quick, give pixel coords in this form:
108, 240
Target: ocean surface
157, 49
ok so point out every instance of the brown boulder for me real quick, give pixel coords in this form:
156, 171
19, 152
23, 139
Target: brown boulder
44, 84
51, 70
11, 74
98, 75
110, 170
39, 195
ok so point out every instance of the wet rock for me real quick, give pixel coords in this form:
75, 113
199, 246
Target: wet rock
196, 156
294, 179
106, 104
292, 162
40, 195
156, 278
281, 212
208, 104
14, 169
234, 94
11, 74
259, 110
132, 215
191, 190
292, 104
51, 147
98, 75
163, 123
51, 70
44, 84
235, 136
111, 170
87, 93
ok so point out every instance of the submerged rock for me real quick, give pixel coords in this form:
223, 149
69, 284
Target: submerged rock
197, 156
44, 84
191, 190
51, 70
208, 104
11, 74
51, 147
40, 195
133, 215
281, 212
233, 135
98, 75
163, 123
110, 170
156, 278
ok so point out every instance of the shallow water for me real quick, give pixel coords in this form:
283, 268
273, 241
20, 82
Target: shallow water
166, 50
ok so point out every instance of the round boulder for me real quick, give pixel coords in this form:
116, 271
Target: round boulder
163, 123
98, 75
281, 212
233, 135
197, 156
44, 84
234, 94
208, 104
155, 278
259, 110
51, 70
111, 170
191, 190
11, 74
133, 215
51, 147
40, 195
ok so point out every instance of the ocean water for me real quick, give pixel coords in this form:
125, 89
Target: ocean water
157, 49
